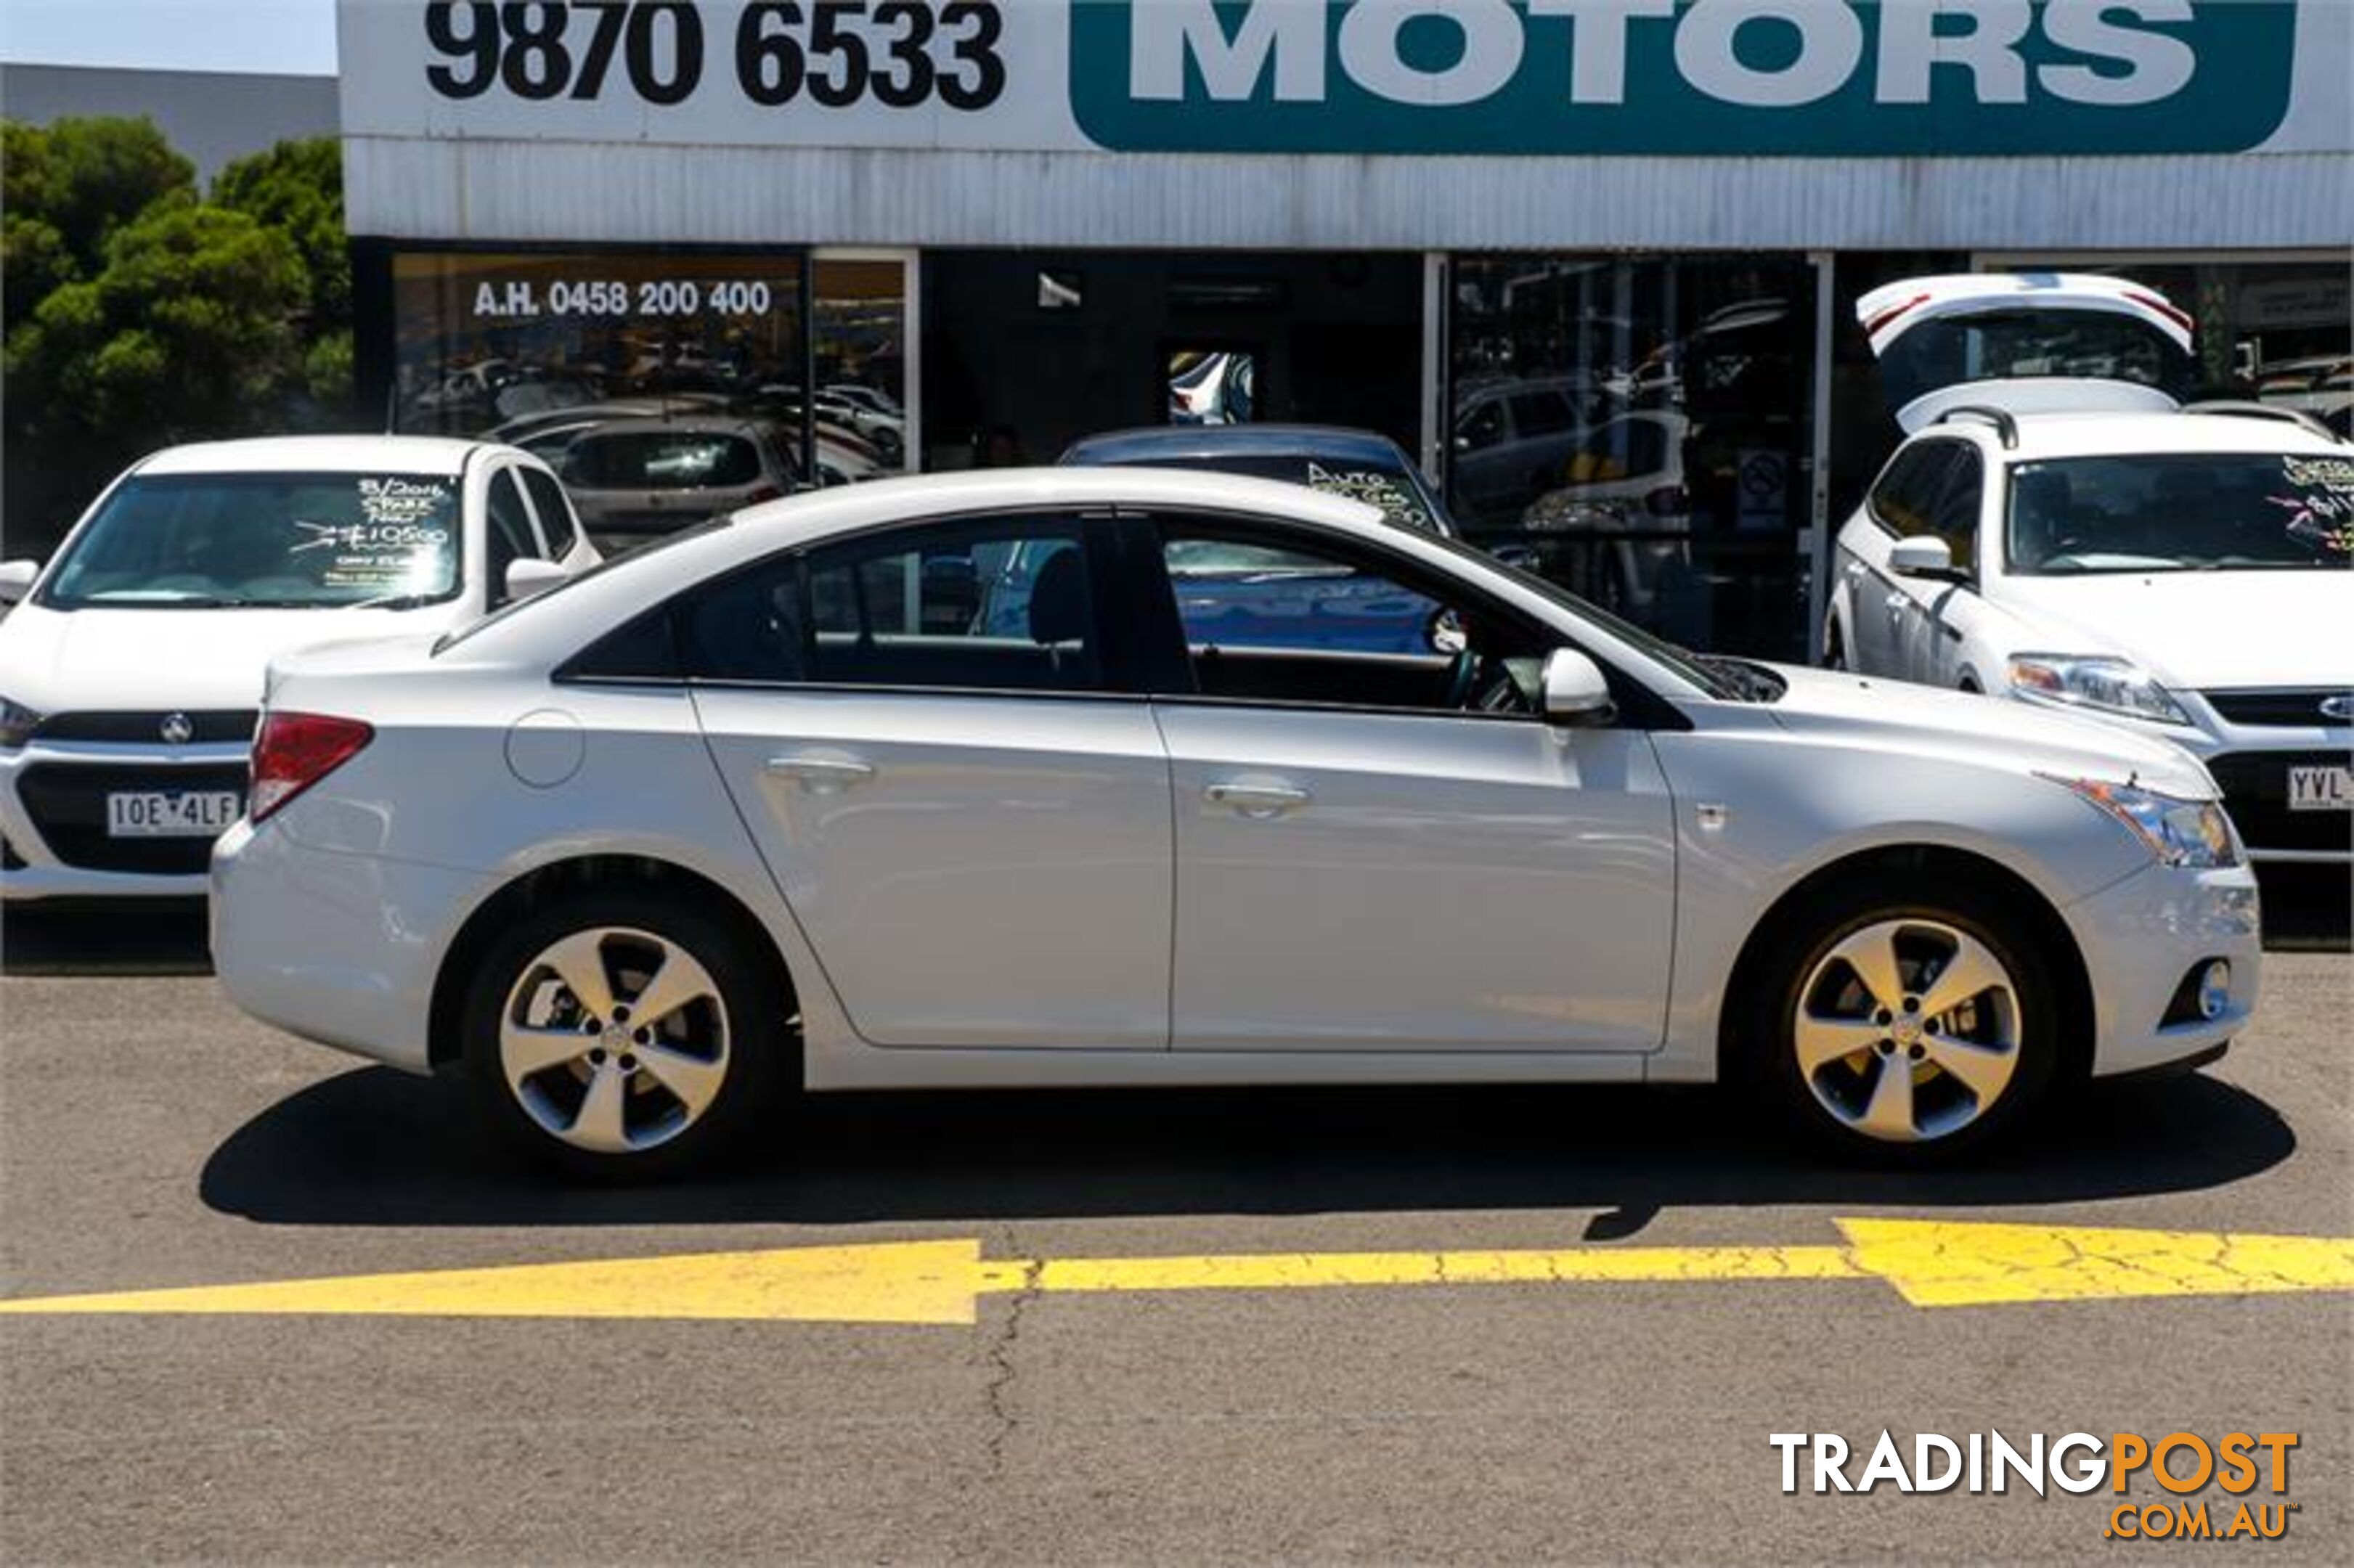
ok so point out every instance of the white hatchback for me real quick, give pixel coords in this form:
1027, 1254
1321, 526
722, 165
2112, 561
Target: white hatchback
131, 670
1084, 777
2076, 541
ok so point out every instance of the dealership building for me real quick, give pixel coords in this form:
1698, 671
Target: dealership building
1594, 262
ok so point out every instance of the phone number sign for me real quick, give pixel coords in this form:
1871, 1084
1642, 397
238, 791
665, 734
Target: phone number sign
1798, 78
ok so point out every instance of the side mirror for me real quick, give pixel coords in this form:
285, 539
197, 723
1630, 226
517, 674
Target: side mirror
1921, 555
1574, 691
528, 575
16, 579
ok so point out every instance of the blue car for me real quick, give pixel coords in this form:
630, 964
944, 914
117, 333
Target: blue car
1244, 596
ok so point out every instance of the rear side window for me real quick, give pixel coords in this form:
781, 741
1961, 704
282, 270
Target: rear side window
663, 459
555, 511
1004, 604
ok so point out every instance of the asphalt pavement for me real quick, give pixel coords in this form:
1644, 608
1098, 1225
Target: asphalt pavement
151, 1138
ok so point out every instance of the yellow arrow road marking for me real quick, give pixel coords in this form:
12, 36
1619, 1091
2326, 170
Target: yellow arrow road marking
1930, 1263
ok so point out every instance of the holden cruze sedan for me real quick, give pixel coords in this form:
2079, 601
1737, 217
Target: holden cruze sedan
934, 783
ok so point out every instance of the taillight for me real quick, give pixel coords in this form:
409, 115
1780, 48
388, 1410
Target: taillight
1872, 328
2172, 311
294, 751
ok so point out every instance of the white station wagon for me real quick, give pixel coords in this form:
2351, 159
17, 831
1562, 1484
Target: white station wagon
1082, 776
2057, 531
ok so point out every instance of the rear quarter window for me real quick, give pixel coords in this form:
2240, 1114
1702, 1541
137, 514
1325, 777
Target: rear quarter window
661, 460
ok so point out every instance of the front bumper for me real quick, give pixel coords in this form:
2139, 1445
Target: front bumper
51, 817
2141, 937
338, 948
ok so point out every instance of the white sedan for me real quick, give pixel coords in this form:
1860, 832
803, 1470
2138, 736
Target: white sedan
1076, 777
130, 669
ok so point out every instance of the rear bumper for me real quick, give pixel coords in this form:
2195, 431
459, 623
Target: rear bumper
341, 950
2141, 937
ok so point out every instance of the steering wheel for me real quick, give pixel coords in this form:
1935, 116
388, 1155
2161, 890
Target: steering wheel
1463, 678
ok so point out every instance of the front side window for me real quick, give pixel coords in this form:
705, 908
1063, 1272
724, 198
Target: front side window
1955, 517
1904, 501
1302, 621
2183, 512
555, 511
284, 541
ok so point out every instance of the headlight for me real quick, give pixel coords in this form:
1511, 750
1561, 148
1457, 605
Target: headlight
2104, 686
2191, 833
17, 723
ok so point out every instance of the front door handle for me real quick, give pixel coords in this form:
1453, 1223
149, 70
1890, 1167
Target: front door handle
1257, 800
822, 774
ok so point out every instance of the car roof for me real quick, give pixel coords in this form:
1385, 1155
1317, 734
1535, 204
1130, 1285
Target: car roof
626, 584
2042, 436
318, 454
1335, 442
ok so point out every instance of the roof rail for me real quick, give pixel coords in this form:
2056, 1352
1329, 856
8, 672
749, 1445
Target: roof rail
2241, 408
2006, 427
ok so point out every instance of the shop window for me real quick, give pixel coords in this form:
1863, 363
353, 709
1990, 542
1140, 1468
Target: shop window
860, 402
542, 349
1641, 428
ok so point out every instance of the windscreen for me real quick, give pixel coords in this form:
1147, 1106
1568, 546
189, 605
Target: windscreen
284, 541
2014, 344
2183, 512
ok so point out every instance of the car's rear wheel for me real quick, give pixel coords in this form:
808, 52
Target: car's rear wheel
1907, 1033
622, 1035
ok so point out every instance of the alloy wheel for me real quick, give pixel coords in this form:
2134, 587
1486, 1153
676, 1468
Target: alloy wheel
614, 1041
1907, 1031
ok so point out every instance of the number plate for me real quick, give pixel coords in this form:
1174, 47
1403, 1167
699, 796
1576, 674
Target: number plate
2321, 788
174, 814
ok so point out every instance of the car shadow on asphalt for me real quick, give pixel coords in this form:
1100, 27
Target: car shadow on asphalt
374, 1147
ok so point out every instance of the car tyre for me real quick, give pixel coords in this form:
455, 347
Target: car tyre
1905, 1031
619, 1035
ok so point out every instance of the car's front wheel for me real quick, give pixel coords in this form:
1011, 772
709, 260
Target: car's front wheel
622, 1034
1908, 1031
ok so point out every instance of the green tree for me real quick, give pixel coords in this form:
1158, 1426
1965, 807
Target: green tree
297, 188
187, 332
67, 188
138, 316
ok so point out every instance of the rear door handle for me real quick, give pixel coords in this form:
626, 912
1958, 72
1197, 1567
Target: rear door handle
1271, 799
823, 774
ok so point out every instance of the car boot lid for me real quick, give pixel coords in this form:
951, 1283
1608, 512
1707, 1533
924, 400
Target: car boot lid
1891, 315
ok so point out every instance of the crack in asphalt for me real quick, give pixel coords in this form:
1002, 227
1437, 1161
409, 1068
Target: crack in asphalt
996, 1395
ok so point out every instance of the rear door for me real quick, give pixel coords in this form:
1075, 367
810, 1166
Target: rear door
926, 731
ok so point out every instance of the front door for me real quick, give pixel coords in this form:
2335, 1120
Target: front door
969, 826
1380, 846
